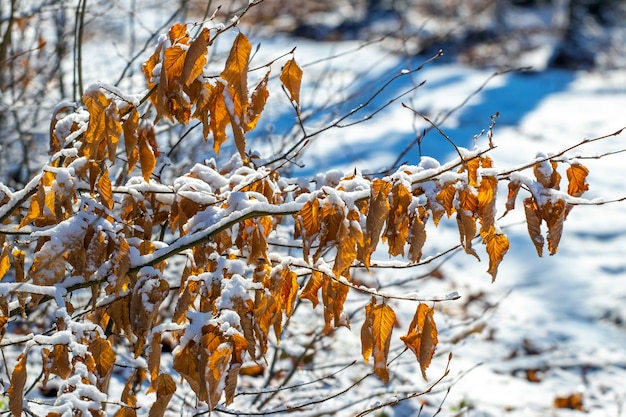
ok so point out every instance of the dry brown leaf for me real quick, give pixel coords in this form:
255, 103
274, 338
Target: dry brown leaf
16, 388
104, 188
147, 156
514, 187
96, 103
165, 387
422, 336
195, 59
130, 128
417, 236
497, 247
554, 215
5, 262
236, 75
334, 295
577, 175
257, 104
376, 216
312, 287
178, 34
446, 198
533, 223
397, 231
291, 77
103, 355
173, 62
219, 118
376, 336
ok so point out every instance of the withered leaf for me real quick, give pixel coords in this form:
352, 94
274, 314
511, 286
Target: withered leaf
422, 336
291, 77
497, 246
16, 388
195, 58
577, 175
376, 336
165, 387
236, 74
533, 223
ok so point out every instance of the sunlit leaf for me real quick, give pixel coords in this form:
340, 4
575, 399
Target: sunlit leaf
497, 246
173, 62
236, 74
376, 336
422, 336
147, 156
257, 103
195, 59
376, 216
130, 128
105, 189
5, 262
312, 287
397, 230
577, 175
16, 388
165, 388
533, 223
291, 77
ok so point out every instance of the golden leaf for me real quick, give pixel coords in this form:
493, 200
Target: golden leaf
190, 362
446, 198
130, 128
112, 131
554, 215
467, 230
219, 116
533, 223
291, 77
96, 103
312, 287
332, 217
238, 136
376, 336
514, 187
103, 356
105, 190
18, 264
56, 362
576, 175
148, 294
376, 216
16, 388
236, 74
546, 174
497, 246
5, 262
334, 295
147, 156
173, 62
216, 373
308, 225
165, 388
348, 238
36, 207
422, 336
178, 34
397, 230
257, 103
195, 58
417, 235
